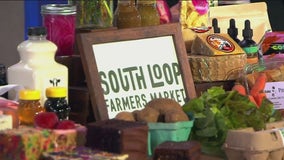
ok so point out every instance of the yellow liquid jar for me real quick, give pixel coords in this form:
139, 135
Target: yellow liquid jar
149, 13
29, 106
127, 15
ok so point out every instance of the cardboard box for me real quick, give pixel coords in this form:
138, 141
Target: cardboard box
255, 145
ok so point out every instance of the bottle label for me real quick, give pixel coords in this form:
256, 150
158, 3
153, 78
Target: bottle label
220, 43
275, 48
251, 51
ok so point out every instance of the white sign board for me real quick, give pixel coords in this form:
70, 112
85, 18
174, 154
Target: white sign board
141, 75
126, 68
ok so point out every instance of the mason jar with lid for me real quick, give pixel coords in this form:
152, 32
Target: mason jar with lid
60, 21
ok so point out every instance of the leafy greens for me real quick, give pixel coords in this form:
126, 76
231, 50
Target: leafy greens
216, 111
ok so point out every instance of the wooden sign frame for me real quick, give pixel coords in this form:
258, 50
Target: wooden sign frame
86, 42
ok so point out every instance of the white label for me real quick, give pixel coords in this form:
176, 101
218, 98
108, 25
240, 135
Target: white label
275, 93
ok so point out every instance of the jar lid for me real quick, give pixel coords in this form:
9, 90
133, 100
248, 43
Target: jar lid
29, 94
36, 31
60, 9
56, 92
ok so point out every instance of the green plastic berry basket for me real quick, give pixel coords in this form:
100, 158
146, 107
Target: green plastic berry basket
161, 132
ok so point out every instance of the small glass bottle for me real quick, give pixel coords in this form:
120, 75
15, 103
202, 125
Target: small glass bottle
29, 106
126, 14
216, 28
149, 13
248, 44
233, 31
56, 102
60, 21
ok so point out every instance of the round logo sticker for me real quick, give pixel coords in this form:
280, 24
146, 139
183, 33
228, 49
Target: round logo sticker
220, 43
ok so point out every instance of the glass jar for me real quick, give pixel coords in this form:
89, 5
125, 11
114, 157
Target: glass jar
93, 13
29, 106
148, 12
127, 15
60, 21
56, 102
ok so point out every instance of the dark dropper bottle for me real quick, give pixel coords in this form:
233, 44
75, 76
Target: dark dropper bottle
233, 31
215, 25
248, 44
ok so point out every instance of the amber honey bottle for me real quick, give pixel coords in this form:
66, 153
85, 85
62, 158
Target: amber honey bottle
148, 12
126, 14
29, 106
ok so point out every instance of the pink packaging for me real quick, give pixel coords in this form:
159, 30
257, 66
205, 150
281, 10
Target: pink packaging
164, 11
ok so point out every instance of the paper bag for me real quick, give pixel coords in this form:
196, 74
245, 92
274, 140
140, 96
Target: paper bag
255, 12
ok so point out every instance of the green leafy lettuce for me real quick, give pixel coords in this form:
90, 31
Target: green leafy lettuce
216, 111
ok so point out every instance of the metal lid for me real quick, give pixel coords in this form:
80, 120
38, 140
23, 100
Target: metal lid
60, 9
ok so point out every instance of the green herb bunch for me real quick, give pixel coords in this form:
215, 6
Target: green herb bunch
216, 111
93, 13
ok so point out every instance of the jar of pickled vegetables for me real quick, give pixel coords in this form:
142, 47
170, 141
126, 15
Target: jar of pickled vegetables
60, 21
149, 13
126, 14
29, 106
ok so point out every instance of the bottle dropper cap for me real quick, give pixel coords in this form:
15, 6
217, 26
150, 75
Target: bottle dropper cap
247, 31
215, 25
36, 31
232, 30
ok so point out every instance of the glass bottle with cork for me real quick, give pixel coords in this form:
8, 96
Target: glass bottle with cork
29, 106
56, 102
149, 13
126, 14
